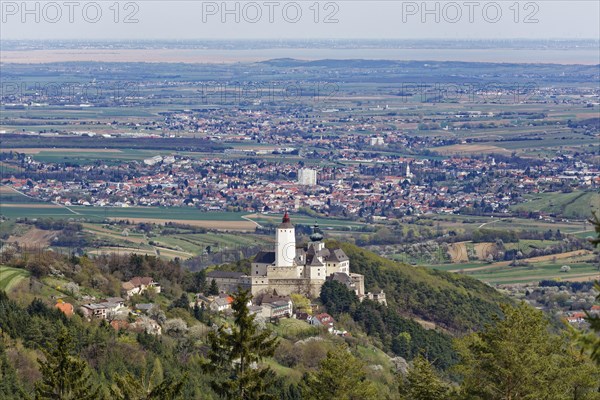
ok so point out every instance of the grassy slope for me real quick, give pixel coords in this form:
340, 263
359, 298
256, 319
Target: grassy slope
9, 277
571, 205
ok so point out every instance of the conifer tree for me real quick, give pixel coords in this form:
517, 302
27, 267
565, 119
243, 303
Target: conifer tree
10, 388
199, 311
341, 376
213, 290
152, 386
518, 358
591, 341
64, 376
235, 353
422, 382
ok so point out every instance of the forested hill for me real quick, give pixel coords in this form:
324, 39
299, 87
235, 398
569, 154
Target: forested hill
454, 302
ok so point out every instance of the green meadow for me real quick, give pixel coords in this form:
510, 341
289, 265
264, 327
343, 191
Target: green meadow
9, 277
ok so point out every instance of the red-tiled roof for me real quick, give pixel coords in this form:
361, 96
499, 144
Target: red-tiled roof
66, 308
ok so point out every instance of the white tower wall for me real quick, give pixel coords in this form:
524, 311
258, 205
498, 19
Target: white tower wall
285, 248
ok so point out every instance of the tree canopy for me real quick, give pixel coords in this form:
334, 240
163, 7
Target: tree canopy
235, 353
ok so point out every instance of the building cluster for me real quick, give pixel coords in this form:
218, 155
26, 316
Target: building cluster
569, 301
360, 187
117, 313
270, 307
290, 268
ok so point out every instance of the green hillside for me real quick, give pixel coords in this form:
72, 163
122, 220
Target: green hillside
454, 302
9, 277
576, 204
425, 308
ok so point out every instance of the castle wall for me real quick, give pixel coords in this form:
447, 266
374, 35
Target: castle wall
285, 287
230, 285
259, 269
316, 273
343, 266
282, 272
359, 281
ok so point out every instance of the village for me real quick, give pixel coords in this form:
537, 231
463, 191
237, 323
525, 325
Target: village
124, 313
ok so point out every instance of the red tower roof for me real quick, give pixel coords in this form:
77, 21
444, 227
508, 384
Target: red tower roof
285, 222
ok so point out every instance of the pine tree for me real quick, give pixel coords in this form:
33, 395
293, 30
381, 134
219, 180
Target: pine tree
199, 311
10, 388
235, 353
518, 358
199, 284
591, 341
213, 290
422, 382
341, 376
64, 377
182, 302
152, 386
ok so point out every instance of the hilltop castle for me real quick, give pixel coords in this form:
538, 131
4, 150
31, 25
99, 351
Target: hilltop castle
293, 269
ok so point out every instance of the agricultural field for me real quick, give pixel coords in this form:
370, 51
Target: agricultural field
537, 272
9, 277
229, 221
458, 252
469, 149
14, 204
33, 237
87, 156
35, 211
469, 223
583, 264
182, 244
577, 204
526, 245
324, 223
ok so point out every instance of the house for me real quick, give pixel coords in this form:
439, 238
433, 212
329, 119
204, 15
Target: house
277, 309
95, 310
275, 306
117, 302
377, 296
102, 310
324, 320
144, 307
66, 308
139, 285
576, 318
269, 298
221, 304
145, 324
201, 299
256, 310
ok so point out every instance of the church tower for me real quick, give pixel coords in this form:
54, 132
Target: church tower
285, 247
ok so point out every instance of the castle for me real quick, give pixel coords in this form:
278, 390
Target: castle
293, 269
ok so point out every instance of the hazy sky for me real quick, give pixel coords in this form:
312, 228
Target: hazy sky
155, 19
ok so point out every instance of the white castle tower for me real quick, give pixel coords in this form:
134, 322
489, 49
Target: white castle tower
285, 247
